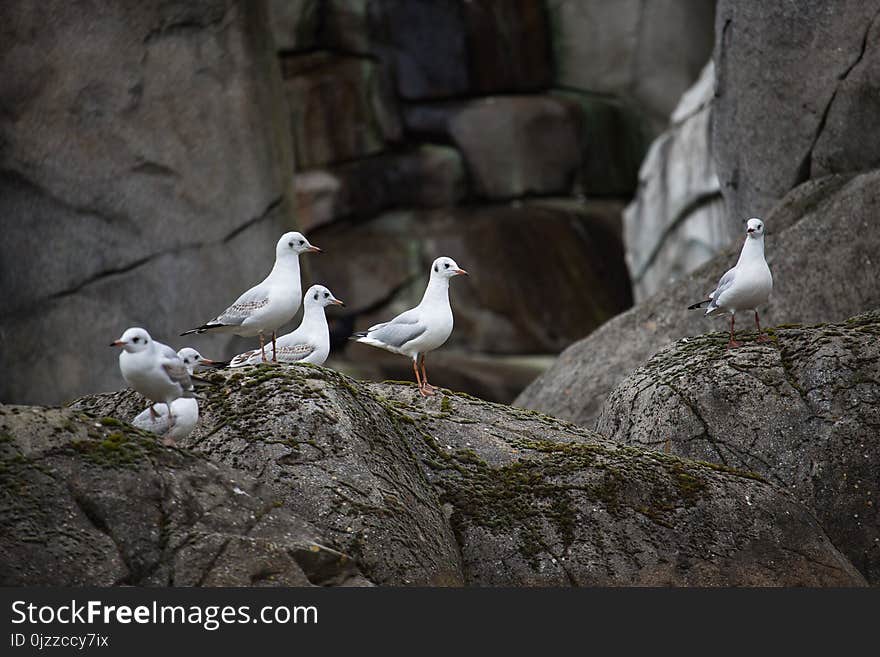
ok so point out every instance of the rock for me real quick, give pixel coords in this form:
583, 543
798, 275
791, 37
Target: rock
520, 297
822, 249
512, 145
340, 108
300, 25
801, 411
447, 48
647, 52
780, 120
93, 502
428, 176
454, 490
166, 161
677, 220
613, 142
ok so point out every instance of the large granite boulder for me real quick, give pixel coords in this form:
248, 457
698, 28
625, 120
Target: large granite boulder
149, 153
647, 52
802, 411
454, 490
822, 247
340, 106
530, 265
90, 501
428, 176
513, 145
796, 96
678, 219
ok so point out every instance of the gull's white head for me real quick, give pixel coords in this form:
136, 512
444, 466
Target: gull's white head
134, 340
193, 359
444, 267
755, 228
292, 244
318, 295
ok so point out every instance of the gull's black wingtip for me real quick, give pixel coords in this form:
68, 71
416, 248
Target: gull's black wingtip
359, 334
700, 304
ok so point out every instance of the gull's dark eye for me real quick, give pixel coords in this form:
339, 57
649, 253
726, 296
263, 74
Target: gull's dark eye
290, 244
446, 266
326, 295
301, 242
316, 296
136, 340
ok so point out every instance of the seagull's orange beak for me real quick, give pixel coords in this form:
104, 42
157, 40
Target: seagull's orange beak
118, 343
314, 249
338, 302
461, 271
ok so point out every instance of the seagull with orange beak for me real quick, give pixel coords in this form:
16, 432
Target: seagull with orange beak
421, 329
310, 342
270, 305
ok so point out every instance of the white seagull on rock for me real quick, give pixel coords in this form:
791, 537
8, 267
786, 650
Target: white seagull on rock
309, 343
185, 409
746, 286
271, 304
421, 329
153, 369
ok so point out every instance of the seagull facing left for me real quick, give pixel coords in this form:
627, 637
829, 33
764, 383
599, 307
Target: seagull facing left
421, 329
270, 305
153, 369
185, 409
746, 286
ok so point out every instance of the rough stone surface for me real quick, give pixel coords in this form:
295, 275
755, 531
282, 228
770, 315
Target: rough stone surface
455, 490
782, 119
382, 267
340, 108
512, 145
677, 220
648, 52
428, 176
123, 174
302, 25
802, 411
90, 501
822, 248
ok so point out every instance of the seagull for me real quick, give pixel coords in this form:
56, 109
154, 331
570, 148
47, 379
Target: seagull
421, 329
309, 343
153, 369
747, 285
185, 409
271, 304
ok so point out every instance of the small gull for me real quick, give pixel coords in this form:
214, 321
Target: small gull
421, 329
746, 286
153, 369
185, 409
271, 304
309, 343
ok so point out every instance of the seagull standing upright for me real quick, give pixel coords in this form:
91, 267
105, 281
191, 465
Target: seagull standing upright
271, 304
185, 409
153, 369
747, 285
421, 329
310, 342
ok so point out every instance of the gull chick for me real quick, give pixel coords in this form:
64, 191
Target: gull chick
153, 369
421, 329
746, 286
271, 304
309, 343
185, 409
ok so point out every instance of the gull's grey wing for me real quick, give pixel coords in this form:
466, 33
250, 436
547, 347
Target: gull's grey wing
157, 425
410, 316
725, 282
290, 353
245, 306
176, 371
397, 333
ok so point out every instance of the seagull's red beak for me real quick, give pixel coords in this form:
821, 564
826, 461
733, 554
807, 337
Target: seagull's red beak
118, 343
338, 302
313, 249
461, 271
